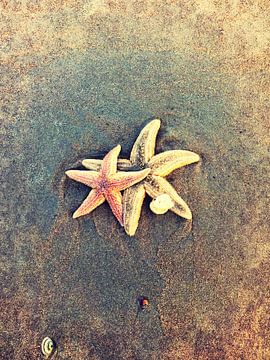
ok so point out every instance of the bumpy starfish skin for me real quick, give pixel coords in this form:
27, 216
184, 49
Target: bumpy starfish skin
106, 184
142, 156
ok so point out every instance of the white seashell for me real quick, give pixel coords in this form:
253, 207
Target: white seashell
48, 347
161, 204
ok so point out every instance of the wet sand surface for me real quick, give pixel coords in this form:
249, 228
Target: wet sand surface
77, 78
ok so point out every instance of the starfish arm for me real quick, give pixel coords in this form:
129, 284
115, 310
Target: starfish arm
88, 178
164, 163
92, 164
157, 185
144, 147
132, 204
114, 199
95, 164
124, 164
93, 200
109, 163
123, 180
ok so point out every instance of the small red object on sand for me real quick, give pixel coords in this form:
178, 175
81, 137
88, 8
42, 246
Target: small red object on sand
144, 302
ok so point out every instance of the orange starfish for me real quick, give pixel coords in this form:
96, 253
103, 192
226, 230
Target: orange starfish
106, 184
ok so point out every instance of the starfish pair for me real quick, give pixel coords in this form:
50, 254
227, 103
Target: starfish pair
107, 183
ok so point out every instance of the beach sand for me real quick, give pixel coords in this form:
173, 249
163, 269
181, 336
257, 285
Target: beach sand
77, 79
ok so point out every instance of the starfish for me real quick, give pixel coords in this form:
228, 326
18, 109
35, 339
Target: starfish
143, 157
106, 184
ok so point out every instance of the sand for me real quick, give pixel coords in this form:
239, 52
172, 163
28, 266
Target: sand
77, 78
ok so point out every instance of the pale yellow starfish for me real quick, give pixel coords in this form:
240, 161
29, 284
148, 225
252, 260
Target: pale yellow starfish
142, 157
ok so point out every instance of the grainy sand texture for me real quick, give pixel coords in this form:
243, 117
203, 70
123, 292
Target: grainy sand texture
79, 77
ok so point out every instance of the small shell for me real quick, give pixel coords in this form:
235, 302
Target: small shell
161, 204
48, 347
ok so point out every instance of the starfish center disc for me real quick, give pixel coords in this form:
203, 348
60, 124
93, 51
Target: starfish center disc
103, 184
